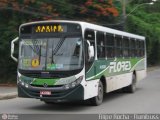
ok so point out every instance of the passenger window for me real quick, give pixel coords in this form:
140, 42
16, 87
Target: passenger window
133, 47
110, 46
100, 45
89, 36
138, 48
142, 48
125, 47
118, 46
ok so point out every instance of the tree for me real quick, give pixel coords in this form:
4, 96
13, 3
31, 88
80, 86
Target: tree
99, 10
15, 12
145, 21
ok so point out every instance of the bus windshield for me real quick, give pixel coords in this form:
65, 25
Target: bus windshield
51, 54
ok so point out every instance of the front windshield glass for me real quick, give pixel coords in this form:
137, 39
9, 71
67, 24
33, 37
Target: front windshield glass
51, 54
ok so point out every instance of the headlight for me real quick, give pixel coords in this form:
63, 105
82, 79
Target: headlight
26, 85
66, 86
22, 83
73, 84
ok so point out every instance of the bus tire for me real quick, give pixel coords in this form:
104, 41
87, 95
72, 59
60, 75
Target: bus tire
131, 88
99, 98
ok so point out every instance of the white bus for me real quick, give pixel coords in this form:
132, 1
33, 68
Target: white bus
71, 60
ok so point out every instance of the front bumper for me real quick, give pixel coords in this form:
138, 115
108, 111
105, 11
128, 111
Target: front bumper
72, 94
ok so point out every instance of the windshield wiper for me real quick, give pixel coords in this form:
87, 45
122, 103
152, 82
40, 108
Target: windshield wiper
40, 54
36, 48
52, 60
54, 51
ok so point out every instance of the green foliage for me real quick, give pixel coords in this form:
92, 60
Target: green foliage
145, 21
16, 12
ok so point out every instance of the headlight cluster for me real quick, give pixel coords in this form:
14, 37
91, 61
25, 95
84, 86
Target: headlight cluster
23, 82
73, 84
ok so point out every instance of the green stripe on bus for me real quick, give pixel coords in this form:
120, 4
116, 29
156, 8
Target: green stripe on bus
95, 72
38, 81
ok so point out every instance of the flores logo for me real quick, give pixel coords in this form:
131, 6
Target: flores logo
119, 66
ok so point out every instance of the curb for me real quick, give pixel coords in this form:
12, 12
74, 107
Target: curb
8, 96
152, 68
7, 85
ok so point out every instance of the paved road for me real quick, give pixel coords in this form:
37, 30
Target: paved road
145, 100
4, 89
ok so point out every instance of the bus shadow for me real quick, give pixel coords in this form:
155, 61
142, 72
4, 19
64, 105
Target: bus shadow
79, 106
62, 107
118, 93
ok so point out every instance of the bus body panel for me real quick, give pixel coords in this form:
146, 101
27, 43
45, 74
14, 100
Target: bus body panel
59, 96
115, 77
90, 88
118, 81
140, 75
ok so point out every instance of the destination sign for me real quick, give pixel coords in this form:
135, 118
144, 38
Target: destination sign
50, 28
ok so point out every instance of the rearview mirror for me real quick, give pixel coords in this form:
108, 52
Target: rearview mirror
90, 51
12, 48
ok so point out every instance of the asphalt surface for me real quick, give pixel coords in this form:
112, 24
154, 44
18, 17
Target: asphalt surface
8, 92
7, 89
145, 100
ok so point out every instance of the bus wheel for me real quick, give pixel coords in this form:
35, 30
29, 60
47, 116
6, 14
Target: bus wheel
131, 88
99, 98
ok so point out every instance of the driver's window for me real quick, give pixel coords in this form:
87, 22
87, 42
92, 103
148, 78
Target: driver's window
89, 37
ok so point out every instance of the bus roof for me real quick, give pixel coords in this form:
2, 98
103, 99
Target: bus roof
86, 25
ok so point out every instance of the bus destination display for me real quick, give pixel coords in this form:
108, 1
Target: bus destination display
49, 28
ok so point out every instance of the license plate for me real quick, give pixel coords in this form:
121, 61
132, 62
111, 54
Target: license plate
45, 92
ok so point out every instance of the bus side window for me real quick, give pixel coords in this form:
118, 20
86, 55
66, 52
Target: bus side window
110, 46
125, 47
100, 45
118, 46
143, 48
89, 35
138, 47
133, 48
